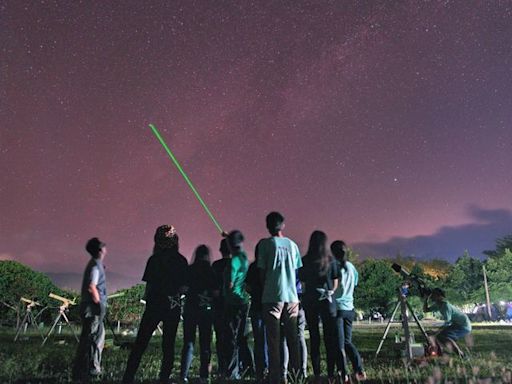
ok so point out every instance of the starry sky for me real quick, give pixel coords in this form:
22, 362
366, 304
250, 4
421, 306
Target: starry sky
386, 124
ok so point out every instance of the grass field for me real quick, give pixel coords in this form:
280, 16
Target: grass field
490, 359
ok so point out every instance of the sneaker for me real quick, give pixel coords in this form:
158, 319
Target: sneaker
361, 376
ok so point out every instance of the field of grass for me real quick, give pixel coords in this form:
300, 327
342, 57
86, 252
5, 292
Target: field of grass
490, 359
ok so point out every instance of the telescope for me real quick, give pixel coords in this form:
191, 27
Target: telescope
31, 303
65, 302
418, 281
115, 295
29, 317
62, 313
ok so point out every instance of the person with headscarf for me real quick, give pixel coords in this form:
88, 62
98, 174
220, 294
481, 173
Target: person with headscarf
166, 280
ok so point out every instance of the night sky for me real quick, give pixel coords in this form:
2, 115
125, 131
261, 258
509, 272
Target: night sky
386, 124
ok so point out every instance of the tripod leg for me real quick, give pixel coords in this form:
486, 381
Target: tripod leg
52, 328
34, 324
420, 326
70, 326
22, 324
387, 329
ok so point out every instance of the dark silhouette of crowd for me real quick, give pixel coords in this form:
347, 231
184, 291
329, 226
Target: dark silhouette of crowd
275, 296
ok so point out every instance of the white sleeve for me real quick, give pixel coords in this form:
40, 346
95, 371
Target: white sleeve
95, 275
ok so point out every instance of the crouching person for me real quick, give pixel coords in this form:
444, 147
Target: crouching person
456, 324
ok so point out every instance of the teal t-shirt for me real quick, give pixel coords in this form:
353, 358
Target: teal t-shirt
451, 315
344, 295
279, 258
236, 274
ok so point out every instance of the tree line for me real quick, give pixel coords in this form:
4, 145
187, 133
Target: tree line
377, 290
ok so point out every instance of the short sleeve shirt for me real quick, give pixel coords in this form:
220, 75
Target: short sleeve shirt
279, 258
452, 316
344, 295
94, 274
237, 295
316, 280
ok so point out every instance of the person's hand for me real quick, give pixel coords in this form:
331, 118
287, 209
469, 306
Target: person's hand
224, 234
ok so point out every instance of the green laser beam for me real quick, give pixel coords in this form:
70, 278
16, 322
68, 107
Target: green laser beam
189, 183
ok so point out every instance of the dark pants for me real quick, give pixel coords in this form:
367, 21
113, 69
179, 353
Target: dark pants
194, 318
317, 311
303, 348
246, 353
344, 321
150, 320
219, 325
260, 344
92, 339
236, 319
274, 315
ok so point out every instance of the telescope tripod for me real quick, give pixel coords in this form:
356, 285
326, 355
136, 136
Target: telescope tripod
29, 318
404, 305
62, 313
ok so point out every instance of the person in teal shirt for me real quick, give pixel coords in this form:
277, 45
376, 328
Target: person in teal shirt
345, 313
278, 260
236, 302
456, 323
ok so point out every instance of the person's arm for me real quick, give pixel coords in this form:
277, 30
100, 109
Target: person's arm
94, 293
261, 263
93, 290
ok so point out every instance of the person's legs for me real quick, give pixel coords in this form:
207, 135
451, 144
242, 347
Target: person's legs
341, 360
283, 352
96, 344
303, 348
81, 362
148, 324
350, 348
329, 337
219, 325
289, 317
260, 344
448, 338
205, 340
234, 315
170, 327
312, 318
272, 318
246, 355
190, 319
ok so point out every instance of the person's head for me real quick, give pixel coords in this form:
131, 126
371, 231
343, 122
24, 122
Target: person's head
317, 244
166, 238
224, 248
438, 295
340, 251
317, 248
202, 253
275, 223
235, 241
96, 248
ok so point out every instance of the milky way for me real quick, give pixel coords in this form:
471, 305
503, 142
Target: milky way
373, 121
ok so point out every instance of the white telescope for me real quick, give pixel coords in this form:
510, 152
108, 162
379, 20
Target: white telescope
65, 301
31, 303
114, 295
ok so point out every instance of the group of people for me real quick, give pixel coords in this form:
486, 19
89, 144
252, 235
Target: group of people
280, 292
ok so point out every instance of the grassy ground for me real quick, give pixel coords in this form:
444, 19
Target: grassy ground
490, 359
